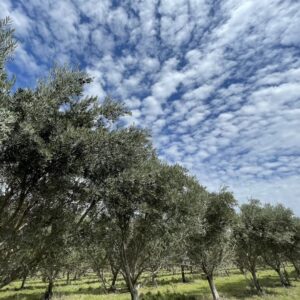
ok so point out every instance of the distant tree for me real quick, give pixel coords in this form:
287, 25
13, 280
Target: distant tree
55, 255
156, 262
96, 247
276, 236
210, 240
7, 45
293, 250
246, 233
194, 214
185, 204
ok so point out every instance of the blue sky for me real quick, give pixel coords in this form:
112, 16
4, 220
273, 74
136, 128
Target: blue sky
216, 82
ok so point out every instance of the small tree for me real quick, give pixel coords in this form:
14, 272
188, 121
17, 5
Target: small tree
293, 251
209, 241
143, 203
189, 214
56, 241
246, 232
276, 236
96, 247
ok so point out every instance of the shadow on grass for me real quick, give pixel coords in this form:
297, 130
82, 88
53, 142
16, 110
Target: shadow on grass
26, 288
174, 280
168, 296
89, 291
242, 289
75, 282
84, 280
37, 296
228, 287
238, 290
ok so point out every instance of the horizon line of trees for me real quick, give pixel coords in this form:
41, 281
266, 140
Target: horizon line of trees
78, 193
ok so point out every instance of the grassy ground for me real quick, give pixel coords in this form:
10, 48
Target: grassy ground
169, 288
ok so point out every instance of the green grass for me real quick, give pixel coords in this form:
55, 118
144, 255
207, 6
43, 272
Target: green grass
169, 288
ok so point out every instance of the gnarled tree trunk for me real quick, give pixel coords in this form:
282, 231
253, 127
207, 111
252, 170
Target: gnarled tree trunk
127, 274
256, 282
283, 279
213, 288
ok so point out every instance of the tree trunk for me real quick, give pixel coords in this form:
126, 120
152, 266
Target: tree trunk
153, 279
256, 282
286, 275
23, 282
68, 278
130, 284
173, 271
183, 274
283, 280
113, 281
213, 288
297, 268
75, 276
49, 293
102, 280
134, 294
132, 289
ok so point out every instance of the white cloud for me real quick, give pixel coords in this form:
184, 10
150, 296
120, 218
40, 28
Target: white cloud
217, 83
151, 106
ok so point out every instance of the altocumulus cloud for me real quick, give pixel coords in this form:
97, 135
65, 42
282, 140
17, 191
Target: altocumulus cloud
217, 82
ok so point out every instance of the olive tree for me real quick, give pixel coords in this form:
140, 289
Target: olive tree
209, 241
246, 232
46, 154
7, 45
96, 248
293, 249
277, 235
143, 203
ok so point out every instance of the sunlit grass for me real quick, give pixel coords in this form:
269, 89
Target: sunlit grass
235, 286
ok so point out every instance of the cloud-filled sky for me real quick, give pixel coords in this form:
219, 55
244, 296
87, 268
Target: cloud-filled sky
216, 81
